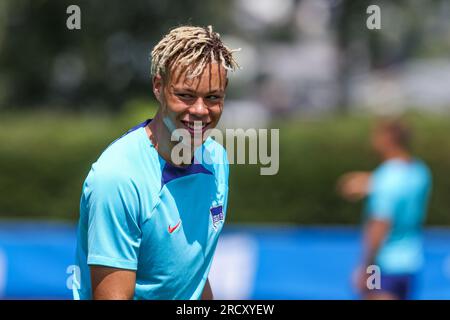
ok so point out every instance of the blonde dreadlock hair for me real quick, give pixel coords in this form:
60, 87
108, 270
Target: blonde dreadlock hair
193, 48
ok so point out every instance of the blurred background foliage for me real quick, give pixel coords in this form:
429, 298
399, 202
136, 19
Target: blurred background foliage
310, 68
101, 66
46, 156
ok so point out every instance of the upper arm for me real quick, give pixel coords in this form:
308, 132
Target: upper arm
113, 236
375, 233
377, 229
111, 283
114, 233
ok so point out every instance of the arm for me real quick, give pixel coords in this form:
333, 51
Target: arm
375, 233
114, 236
112, 283
207, 292
354, 186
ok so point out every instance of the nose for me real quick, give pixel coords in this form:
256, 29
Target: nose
199, 108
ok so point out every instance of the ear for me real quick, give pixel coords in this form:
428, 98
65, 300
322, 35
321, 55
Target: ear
158, 87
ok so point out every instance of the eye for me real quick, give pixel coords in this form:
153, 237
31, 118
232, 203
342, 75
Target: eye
214, 97
184, 95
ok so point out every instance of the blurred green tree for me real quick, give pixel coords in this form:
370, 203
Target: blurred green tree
105, 63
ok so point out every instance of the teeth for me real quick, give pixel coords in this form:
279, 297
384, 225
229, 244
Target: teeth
191, 125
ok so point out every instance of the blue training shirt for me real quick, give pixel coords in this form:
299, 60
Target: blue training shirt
399, 193
138, 212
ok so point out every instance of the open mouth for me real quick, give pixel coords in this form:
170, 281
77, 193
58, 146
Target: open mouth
195, 126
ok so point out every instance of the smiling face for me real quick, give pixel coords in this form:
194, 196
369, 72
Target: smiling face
187, 102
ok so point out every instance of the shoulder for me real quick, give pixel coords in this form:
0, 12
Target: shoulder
124, 164
109, 192
122, 148
422, 168
105, 181
128, 155
388, 175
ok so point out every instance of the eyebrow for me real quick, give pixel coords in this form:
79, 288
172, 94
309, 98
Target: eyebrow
193, 91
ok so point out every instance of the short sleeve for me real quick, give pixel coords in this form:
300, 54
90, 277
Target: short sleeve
114, 235
383, 197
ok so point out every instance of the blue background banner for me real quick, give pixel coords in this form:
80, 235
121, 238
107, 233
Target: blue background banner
251, 262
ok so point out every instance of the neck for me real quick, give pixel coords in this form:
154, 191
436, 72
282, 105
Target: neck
397, 154
160, 136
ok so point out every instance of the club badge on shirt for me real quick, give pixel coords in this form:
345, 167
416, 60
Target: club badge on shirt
217, 215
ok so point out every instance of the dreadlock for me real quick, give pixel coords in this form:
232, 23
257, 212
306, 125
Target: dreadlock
193, 48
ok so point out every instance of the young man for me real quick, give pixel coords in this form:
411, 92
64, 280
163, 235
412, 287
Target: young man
149, 225
398, 192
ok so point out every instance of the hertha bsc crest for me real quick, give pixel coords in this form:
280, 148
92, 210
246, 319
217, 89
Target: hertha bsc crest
217, 215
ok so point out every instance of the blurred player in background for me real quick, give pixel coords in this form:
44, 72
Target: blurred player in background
397, 196
148, 227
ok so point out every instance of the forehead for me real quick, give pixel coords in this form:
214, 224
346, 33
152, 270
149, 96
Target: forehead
213, 77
